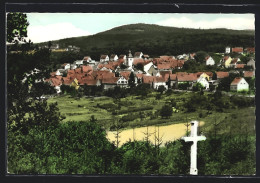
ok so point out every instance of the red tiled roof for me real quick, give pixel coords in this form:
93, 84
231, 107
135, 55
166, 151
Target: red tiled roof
138, 60
56, 80
221, 75
146, 56
240, 66
210, 74
251, 50
173, 77
111, 80
86, 68
158, 79
187, 77
148, 79
67, 80
237, 49
125, 74
236, 81
248, 73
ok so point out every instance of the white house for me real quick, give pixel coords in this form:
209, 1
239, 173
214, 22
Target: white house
65, 66
210, 60
78, 62
113, 57
87, 58
104, 58
228, 49
159, 81
138, 55
239, 84
122, 82
203, 81
73, 66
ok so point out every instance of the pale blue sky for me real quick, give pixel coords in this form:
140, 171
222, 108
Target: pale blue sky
52, 26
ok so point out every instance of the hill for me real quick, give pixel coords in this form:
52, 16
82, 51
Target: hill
159, 40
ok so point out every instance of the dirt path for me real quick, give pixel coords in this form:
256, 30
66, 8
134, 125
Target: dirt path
167, 133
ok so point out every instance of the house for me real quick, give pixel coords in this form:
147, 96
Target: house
239, 84
173, 80
125, 74
138, 55
240, 66
226, 61
148, 80
249, 74
251, 63
87, 59
159, 81
104, 58
149, 68
233, 62
56, 82
65, 66
207, 75
237, 50
209, 60
113, 57
146, 57
71, 82
73, 66
227, 50
221, 75
55, 47
204, 82
184, 77
122, 82
110, 82
122, 57
78, 62
89, 82
250, 50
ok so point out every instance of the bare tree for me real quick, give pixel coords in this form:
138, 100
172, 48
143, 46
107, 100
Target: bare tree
118, 130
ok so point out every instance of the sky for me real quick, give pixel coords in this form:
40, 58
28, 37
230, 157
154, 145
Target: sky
53, 26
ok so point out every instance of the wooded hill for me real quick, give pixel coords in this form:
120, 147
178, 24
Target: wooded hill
158, 40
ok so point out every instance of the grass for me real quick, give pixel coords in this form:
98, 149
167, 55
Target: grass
101, 107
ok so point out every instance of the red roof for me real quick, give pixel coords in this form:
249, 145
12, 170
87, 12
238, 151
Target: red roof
226, 57
236, 81
137, 54
210, 74
67, 80
158, 79
187, 77
86, 58
250, 50
173, 77
103, 56
248, 73
148, 79
234, 60
121, 56
237, 50
240, 66
221, 75
111, 80
138, 60
125, 74
86, 68
56, 80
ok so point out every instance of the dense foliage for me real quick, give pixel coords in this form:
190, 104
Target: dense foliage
158, 40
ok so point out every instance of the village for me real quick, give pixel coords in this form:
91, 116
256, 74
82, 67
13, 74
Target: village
164, 71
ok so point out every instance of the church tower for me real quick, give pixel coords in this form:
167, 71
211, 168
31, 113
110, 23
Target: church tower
130, 59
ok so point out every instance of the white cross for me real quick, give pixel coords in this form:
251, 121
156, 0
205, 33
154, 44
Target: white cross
193, 154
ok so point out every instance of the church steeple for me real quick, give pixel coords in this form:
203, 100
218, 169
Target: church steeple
130, 59
130, 54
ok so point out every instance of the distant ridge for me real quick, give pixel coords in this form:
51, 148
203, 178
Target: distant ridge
159, 40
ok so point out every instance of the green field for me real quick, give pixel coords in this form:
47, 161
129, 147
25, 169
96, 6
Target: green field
106, 111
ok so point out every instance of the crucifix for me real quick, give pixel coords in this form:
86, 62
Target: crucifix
194, 138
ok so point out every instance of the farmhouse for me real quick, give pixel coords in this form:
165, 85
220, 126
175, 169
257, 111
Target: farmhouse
138, 55
113, 57
239, 84
226, 61
209, 60
221, 75
159, 81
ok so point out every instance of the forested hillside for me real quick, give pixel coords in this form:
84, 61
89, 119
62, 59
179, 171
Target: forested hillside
159, 40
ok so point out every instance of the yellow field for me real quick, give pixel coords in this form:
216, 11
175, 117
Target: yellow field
166, 133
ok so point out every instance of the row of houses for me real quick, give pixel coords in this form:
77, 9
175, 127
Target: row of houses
115, 71
240, 50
